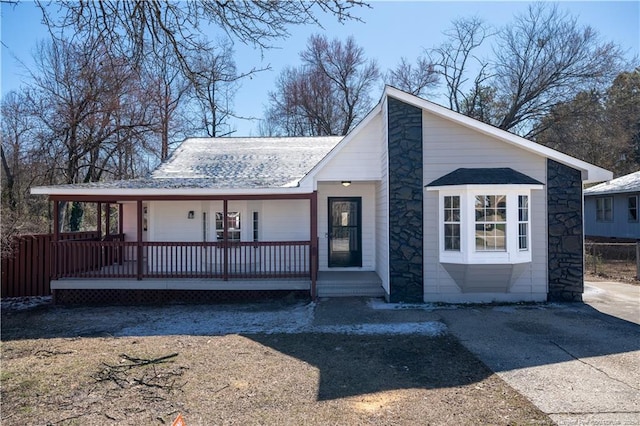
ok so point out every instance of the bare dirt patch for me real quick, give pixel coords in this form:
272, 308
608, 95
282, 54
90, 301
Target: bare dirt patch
284, 379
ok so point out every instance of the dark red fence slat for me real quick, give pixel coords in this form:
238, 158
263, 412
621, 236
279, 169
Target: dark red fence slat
27, 271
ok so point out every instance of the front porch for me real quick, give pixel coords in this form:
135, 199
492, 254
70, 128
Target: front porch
220, 260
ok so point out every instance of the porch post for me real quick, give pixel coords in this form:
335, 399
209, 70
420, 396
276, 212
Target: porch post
139, 238
56, 238
225, 244
120, 218
313, 266
107, 220
99, 220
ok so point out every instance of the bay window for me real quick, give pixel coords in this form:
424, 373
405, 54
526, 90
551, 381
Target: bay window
484, 224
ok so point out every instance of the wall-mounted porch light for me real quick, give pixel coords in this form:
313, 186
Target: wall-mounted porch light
346, 183
191, 214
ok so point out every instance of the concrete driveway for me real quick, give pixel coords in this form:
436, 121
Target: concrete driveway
579, 363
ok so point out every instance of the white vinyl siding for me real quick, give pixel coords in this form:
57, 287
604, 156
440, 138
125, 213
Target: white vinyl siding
359, 159
285, 220
449, 146
168, 221
280, 220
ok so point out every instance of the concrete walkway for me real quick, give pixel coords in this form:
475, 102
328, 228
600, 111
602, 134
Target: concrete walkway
579, 363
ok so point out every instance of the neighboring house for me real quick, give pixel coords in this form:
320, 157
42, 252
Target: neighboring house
417, 203
611, 208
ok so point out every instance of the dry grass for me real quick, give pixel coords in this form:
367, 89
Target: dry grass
283, 379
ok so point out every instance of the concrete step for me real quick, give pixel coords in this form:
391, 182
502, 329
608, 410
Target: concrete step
349, 284
349, 289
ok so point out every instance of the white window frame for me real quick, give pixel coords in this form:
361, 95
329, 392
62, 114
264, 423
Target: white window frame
524, 222
468, 253
451, 221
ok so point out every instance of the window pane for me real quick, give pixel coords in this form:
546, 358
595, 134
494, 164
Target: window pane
632, 203
452, 237
523, 232
500, 232
491, 217
523, 208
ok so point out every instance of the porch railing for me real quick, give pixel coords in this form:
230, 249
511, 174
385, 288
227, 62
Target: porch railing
116, 258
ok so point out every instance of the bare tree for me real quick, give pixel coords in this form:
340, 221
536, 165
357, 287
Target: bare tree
168, 89
328, 94
600, 127
16, 125
21, 213
541, 59
215, 82
93, 115
304, 103
463, 72
135, 29
544, 58
415, 79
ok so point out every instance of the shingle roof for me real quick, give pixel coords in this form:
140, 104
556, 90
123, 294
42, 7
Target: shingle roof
244, 162
230, 163
485, 176
626, 183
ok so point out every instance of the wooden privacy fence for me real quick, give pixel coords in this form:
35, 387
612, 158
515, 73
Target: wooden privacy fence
26, 272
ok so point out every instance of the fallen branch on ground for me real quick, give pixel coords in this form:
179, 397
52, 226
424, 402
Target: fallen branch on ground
149, 377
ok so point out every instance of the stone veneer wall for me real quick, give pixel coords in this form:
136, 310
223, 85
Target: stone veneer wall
565, 233
406, 282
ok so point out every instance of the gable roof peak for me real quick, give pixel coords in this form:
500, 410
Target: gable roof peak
590, 172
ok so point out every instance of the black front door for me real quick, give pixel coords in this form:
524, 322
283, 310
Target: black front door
345, 234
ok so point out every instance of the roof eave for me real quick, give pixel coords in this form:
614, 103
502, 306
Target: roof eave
114, 192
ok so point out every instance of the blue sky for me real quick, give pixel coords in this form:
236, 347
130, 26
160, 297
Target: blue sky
390, 30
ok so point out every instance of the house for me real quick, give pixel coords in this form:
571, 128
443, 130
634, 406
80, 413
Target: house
611, 208
417, 203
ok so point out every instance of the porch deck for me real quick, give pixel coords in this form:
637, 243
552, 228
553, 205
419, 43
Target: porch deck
180, 284
329, 284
